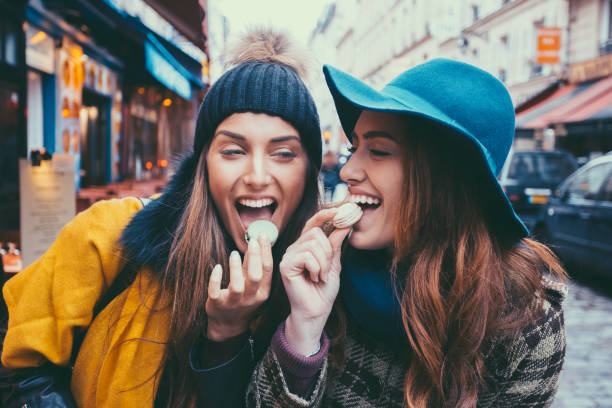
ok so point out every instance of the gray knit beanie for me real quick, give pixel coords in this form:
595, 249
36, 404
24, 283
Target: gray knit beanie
261, 86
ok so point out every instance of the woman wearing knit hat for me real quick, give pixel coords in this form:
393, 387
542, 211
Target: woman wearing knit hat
440, 299
172, 282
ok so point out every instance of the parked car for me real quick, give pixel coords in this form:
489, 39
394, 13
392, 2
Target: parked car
577, 221
529, 177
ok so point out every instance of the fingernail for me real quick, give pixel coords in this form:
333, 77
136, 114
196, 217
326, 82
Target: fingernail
253, 244
217, 269
235, 255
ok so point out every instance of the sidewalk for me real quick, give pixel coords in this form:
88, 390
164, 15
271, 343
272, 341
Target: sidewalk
129, 188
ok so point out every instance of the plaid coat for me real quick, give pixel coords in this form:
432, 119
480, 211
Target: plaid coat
522, 371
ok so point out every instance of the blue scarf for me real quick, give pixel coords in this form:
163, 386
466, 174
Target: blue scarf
367, 291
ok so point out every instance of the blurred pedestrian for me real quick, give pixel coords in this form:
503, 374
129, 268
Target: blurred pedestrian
330, 173
443, 300
181, 284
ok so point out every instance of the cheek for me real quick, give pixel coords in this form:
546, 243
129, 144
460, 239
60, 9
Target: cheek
294, 182
218, 177
394, 182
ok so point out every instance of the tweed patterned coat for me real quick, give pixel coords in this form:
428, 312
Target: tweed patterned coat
522, 371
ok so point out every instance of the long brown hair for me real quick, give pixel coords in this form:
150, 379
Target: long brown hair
466, 280
200, 242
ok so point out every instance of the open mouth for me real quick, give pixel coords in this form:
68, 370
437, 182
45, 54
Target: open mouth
250, 210
366, 202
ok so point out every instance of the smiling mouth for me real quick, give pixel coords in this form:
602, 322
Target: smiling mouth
250, 210
366, 202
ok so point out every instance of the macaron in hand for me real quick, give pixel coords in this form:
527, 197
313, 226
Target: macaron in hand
256, 228
347, 215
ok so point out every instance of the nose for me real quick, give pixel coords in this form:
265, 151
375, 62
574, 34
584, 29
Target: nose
353, 172
257, 175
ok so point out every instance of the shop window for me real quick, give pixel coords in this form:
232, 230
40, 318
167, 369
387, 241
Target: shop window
9, 42
9, 176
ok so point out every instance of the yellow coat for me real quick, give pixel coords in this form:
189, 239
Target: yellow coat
56, 295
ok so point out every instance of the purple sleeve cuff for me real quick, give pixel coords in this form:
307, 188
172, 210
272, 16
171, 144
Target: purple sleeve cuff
300, 371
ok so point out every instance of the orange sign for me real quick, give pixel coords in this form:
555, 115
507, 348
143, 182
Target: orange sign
549, 45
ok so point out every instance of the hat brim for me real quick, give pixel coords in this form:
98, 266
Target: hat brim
351, 96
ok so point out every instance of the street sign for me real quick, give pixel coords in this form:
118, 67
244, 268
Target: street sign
549, 45
47, 202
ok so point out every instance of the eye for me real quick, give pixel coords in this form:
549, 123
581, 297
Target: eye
284, 154
379, 153
232, 152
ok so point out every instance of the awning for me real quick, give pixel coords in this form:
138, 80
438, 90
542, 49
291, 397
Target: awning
166, 69
570, 103
138, 44
187, 16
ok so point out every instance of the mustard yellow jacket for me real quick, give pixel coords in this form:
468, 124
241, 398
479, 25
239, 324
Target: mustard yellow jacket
55, 296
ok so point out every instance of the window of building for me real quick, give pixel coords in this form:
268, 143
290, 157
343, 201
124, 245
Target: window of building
475, 12
502, 75
609, 19
536, 70
605, 46
504, 39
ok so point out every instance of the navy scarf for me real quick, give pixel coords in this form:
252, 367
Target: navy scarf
367, 291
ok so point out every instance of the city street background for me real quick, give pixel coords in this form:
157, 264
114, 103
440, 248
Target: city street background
98, 100
587, 372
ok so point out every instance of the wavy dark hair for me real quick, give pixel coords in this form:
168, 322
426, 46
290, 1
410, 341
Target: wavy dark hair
466, 279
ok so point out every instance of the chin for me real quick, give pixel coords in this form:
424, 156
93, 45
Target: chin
362, 240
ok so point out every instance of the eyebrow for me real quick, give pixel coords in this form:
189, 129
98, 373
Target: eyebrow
238, 136
374, 134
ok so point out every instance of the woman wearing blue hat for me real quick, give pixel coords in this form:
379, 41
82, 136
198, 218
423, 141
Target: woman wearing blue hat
439, 299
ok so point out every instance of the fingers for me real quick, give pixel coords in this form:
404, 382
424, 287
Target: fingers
336, 238
254, 270
319, 219
312, 265
236, 285
267, 263
214, 283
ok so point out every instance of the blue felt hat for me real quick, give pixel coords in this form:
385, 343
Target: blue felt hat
467, 100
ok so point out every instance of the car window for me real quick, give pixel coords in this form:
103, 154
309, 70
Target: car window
545, 167
587, 184
607, 191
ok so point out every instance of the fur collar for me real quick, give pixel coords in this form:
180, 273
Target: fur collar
147, 238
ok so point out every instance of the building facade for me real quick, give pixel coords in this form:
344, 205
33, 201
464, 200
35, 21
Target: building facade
376, 41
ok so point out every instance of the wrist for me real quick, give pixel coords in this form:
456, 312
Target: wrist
221, 332
304, 336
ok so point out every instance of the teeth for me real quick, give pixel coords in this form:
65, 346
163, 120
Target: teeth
264, 202
362, 199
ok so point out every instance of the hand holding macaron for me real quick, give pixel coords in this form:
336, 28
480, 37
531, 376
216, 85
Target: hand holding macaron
310, 270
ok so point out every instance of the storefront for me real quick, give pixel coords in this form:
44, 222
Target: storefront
105, 96
576, 116
159, 114
12, 124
